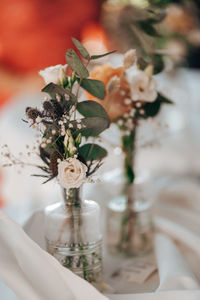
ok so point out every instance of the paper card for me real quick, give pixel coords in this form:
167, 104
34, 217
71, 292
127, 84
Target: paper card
136, 270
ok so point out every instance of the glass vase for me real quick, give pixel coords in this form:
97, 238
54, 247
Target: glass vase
129, 222
73, 236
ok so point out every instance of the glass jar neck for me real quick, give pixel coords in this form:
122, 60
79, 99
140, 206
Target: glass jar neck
72, 197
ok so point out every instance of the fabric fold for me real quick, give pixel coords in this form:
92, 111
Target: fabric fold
32, 273
174, 273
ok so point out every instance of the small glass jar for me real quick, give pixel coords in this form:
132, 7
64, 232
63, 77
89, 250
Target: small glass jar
73, 236
130, 228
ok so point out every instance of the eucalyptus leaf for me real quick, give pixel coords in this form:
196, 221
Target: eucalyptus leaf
76, 64
94, 87
53, 89
92, 152
91, 126
102, 55
90, 108
83, 51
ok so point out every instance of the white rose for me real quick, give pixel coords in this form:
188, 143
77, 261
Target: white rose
71, 173
55, 74
142, 86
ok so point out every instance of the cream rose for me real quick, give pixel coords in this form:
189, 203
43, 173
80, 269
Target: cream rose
142, 86
71, 173
55, 74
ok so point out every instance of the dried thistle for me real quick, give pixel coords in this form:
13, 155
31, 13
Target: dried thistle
33, 113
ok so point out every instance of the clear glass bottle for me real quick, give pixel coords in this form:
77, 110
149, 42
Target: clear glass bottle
129, 223
73, 236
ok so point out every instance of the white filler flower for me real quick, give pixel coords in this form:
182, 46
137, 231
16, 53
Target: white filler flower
55, 74
142, 86
71, 173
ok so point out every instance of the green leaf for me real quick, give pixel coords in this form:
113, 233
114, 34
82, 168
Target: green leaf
102, 55
148, 28
91, 108
94, 87
164, 99
152, 109
83, 51
52, 89
76, 64
92, 126
158, 63
92, 152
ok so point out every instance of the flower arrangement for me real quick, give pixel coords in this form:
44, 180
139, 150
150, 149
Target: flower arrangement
131, 95
66, 124
68, 129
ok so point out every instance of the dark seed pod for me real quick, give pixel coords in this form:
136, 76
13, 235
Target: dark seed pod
48, 107
32, 113
58, 111
54, 163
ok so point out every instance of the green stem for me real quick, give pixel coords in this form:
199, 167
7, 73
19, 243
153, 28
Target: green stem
127, 222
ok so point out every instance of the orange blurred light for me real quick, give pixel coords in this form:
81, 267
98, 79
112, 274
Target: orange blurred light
94, 38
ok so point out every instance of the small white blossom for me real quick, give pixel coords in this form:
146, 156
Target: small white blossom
58, 97
141, 111
78, 120
132, 112
79, 126
67, 97
120, 122
127, 101
53, 131
138, 104
30, 121
43, 145
122, 93
126, 115
38, 119
70, 125
142, 86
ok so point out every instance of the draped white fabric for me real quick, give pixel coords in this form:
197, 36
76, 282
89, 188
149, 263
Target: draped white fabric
33, 274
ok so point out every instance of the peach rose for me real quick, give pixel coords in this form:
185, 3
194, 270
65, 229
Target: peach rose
125, 85
114, 100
